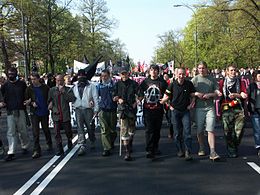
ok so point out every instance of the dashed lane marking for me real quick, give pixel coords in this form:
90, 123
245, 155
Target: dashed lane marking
254, 166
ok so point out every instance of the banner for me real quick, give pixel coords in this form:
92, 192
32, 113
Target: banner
101, 66
79, 65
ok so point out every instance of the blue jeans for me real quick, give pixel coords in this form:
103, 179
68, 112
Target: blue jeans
255, 118
182, 124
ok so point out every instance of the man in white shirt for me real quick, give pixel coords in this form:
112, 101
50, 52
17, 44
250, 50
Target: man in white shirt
86, 98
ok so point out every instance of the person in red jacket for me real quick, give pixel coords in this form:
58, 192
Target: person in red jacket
233, 93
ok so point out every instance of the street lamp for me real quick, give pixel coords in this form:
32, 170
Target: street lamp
196, 29
24, 46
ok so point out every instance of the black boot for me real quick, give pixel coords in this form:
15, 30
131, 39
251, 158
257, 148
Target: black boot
131, 145
70, 145
127, 153
60, 150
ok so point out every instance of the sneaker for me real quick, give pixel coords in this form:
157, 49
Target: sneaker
128, 157
106, 153
214, 156
2, 150
10, 157
81, 151
232, 154
201, 152
180, 154
149, 155
188, 156
36, 155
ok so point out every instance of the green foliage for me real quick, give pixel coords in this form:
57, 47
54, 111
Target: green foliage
169, 48
228, 32
54, 37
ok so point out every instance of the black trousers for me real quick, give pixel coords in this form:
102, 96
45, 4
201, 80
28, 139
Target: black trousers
44, 120
153, 123
67, 128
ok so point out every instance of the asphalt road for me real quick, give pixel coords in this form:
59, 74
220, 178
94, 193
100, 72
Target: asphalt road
166, 174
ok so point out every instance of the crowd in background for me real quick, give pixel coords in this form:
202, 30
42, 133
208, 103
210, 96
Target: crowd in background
114, 99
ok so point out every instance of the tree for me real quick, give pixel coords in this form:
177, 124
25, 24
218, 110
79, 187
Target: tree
169, 48
225, 36
6, 10
95, 25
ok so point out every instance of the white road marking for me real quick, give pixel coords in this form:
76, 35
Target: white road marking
37, 175
254, 166
54, 172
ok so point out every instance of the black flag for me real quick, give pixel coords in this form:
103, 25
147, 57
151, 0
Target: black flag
91, 69
85, 60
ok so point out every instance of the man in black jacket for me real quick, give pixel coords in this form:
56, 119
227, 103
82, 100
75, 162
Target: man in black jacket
14, 96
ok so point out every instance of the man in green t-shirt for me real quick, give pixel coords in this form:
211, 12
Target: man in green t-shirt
206, 90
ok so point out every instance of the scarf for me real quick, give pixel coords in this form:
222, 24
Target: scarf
107, 83
229, 84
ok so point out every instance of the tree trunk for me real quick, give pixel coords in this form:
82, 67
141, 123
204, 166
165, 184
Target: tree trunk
7, 63
50, 55
28, 47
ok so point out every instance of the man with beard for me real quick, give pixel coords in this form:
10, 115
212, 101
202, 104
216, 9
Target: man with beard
152, 90
86, 97
14, 96
107, 114
125, 94
234, 91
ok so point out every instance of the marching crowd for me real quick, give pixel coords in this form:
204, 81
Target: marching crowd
117, 101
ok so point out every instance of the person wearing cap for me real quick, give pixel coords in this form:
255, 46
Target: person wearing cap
86, 106
233, 117
253, 92
59, 98
125, 94
152, 90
